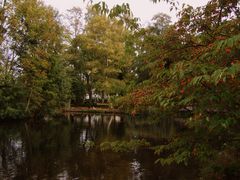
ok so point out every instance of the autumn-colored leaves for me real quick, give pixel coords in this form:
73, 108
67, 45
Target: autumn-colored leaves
228, 50
140, 96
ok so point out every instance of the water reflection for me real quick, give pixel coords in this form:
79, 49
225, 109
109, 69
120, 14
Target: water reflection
137, 171
55, 150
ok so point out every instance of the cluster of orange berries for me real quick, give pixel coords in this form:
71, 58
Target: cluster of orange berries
184, 83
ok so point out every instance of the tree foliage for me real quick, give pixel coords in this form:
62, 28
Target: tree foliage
99, 55
193, 66
31, 58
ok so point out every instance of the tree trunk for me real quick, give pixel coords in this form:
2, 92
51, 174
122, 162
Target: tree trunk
29, 99
103, 97
89, 88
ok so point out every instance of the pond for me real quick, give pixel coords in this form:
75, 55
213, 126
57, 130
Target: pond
55, 149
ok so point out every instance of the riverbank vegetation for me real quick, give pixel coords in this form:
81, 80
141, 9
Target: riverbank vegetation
191, 65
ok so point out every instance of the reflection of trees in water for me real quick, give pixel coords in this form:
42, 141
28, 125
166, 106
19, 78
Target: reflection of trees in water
152, 128
11, 152
54, 150
95, 126
27, 150
136, 170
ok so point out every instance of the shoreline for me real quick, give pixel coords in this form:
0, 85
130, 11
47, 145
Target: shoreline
93, 110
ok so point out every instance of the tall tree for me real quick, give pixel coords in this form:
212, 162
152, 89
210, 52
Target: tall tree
101, 53
34, 44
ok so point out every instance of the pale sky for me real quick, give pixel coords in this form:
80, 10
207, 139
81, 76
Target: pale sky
144, 9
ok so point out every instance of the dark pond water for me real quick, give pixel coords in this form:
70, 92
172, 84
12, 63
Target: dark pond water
55, 149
